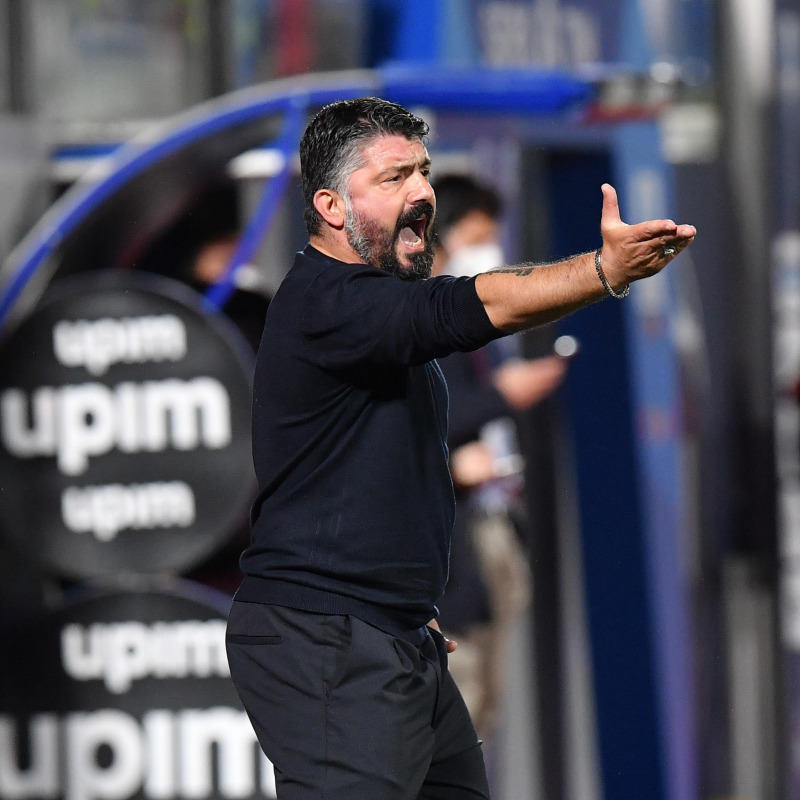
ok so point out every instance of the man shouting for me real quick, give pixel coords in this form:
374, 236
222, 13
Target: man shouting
332, 639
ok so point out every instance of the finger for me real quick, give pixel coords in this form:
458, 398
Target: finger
654, 229
451, 645
610, 214
678, 241
671, 248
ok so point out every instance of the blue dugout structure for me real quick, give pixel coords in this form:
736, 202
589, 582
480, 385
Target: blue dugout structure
624, 408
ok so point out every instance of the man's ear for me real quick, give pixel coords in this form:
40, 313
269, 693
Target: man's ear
330, 206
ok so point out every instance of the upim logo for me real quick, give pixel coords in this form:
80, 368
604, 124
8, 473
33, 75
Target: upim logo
121, 652
106, 510
74, 422
97, 344
110, 755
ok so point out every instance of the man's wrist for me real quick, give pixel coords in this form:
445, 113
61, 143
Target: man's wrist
620, 294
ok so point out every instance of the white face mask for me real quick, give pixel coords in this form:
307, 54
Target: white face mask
475, 259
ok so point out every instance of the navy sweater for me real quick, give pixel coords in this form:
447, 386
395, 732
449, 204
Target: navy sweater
355, 504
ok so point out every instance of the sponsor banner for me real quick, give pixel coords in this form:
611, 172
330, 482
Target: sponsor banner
675, 34
126, 695
124, 427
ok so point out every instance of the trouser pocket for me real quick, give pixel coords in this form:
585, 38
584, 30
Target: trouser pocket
441, 647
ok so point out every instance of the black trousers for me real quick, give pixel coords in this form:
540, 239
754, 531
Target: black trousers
346, 711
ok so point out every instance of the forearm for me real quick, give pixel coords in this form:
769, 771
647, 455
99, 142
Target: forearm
516, 298
523, 297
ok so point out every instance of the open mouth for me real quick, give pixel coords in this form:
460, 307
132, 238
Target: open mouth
412, 233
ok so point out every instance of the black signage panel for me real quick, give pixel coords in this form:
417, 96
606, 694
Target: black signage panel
126, 695
124, 427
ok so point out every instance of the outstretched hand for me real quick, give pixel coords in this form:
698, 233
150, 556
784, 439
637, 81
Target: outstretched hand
527, 295
632, 252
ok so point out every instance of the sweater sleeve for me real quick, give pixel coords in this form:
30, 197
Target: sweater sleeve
361, 315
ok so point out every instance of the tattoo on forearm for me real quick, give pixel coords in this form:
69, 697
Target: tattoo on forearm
520, 270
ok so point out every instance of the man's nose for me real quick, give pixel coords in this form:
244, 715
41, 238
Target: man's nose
420, 189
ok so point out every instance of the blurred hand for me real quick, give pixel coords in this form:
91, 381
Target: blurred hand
525, 383
472, 464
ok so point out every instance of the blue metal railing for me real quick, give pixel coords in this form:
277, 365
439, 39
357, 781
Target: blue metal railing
519, 92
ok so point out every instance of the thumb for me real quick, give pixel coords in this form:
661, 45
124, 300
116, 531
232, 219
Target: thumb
611, 214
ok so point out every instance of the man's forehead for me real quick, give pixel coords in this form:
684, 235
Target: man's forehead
388, 150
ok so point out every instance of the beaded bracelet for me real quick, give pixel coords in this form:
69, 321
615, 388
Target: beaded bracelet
622, 293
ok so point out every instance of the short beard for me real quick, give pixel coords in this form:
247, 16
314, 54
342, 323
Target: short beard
378, 246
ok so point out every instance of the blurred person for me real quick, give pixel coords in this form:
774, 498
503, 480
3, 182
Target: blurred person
332, 639
246, 306
197, 247
489, 579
